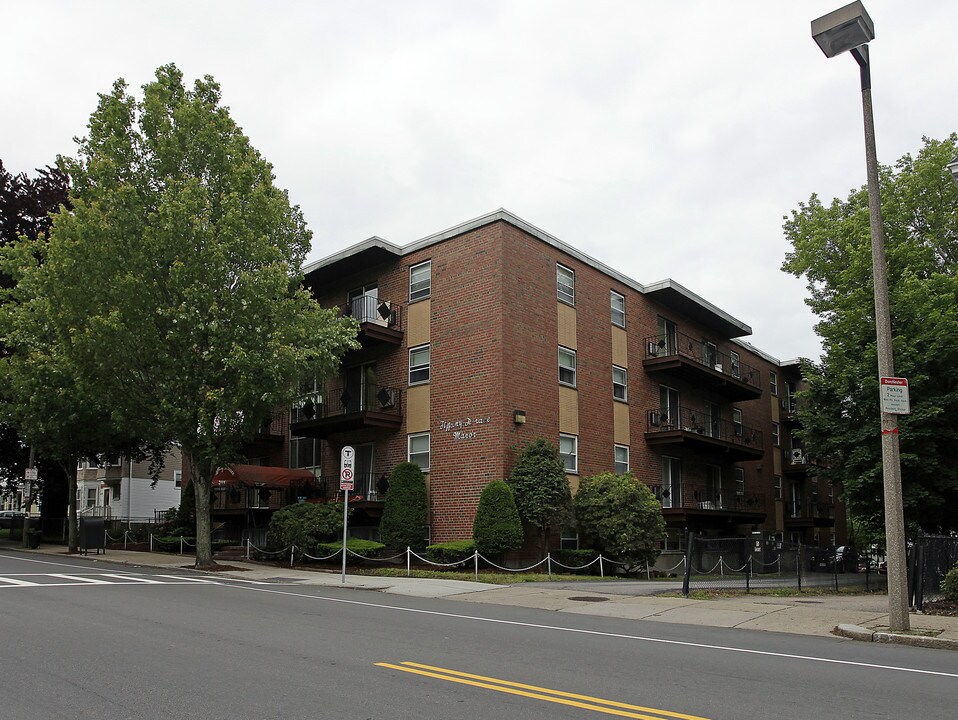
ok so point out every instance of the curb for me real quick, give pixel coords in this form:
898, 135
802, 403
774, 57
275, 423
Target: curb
856, 632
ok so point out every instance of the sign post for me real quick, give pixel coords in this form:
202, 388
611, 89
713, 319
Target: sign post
346, 460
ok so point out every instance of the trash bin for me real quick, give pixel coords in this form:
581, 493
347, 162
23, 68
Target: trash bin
33, 539
92, 535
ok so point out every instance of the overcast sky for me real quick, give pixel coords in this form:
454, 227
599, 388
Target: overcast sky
666, 139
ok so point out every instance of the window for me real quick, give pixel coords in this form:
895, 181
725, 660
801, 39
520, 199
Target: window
569, 539
621, 459
737, 427
420, 281
363, 303
419, 365
671, 482
569, 452
303, 452
739, 482
419, 450
565, 284
620, 383
735, 361
778, 487
776, 437
177, 478
566, 366
668, 343
91, 497
116, 492
773, 382
669, 406
710, 354
618, 309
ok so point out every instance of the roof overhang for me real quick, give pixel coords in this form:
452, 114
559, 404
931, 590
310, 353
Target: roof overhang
679, 298
368, 253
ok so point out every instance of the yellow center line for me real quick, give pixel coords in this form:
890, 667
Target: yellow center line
585, 702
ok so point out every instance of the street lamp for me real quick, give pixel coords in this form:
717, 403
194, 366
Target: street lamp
850, 29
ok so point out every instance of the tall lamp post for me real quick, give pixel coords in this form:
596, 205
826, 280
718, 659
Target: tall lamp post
850, 29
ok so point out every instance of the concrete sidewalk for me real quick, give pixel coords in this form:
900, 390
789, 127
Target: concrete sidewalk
860, 617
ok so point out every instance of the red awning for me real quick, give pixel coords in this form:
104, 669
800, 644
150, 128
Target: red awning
262, 476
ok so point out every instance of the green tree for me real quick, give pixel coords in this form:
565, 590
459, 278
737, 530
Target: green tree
306, 525
840, 409
406, 509
541, 489
178, 279
619, 516
497, 527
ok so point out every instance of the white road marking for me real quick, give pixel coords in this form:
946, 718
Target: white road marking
77, 578
16, 583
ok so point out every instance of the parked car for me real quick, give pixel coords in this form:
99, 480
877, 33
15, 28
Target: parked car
840, 559
11, 518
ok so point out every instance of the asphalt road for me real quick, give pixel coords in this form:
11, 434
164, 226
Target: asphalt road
82, 640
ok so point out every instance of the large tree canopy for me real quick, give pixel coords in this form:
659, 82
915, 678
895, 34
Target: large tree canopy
177, 278
840, 413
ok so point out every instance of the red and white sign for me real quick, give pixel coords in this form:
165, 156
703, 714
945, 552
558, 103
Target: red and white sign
894, 396
346, 459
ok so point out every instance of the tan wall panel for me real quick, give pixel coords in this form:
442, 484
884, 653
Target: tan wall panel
620, 353
568, 410
573, 483
417, 323
620, 420
417, 409
566, 325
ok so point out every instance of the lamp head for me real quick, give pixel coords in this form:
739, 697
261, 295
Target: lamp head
843, 29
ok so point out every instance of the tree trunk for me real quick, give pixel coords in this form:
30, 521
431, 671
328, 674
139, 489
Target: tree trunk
72, 539
202, 477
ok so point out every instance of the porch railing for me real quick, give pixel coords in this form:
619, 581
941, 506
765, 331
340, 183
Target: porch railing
374, 310
708, 496
340, 399
701, 422
679, 344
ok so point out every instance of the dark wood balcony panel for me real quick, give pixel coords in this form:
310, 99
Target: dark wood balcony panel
323, 427
693, 429
682, 357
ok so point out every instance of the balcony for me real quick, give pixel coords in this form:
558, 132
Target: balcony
809, 512
709, 504
344, 408
380, 321
788, 413
683, 357
798, 462
695, 430
268, 438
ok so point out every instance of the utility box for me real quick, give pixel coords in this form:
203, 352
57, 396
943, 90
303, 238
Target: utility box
92, 535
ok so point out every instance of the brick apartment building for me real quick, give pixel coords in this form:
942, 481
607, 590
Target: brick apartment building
486, 336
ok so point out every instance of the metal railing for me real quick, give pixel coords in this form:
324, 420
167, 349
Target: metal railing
373, 310
339, 399
681, 345
708, 496
700, 422
809, 507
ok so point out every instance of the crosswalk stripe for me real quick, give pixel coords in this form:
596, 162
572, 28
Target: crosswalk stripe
133, 579
14, 581
80, 579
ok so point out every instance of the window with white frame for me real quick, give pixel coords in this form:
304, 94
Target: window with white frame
671, 493
419, 365
778, 487
620, 383
177, 478
739, 482
776, 435
737, 426
773, 382
420, 281
565, 284
618, 309
304, 452
569, 452
566, 366
419, 450
735, 361
621, 459
90, 497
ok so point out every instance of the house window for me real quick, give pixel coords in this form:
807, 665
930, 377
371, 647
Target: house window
776, 438
177, 478
737, 427
116, 491
736, 364
773, 382
91, 497
621, 459
668, 342
620, 383
566, 366
740, 482
778, 487
569, 539
669, 406
565, 284
710, 354
419, 450
419, 365
303, 452
569, 452
420, 281
618, 309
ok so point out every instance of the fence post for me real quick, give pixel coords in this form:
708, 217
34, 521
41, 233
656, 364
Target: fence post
601, 568
475, 557
181, 544
248, 543
151, 542
748, 574
722, 566
549, 564
688, 563
292, 550
648, 572
408, 562
125, 534
799, 559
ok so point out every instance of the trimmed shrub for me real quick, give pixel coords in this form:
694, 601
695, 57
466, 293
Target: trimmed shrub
620, 517
405, 510
368, 549
576, 559
541, 489
497, 527
454, 551
949, 586
305, 525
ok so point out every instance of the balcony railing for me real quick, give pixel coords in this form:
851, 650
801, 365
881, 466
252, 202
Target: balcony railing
683, 354
709, 497
379, 320
809, 507
343, 407
696, 427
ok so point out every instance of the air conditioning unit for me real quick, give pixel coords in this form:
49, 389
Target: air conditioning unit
655, 418
798, 457
653, 348
718, 367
